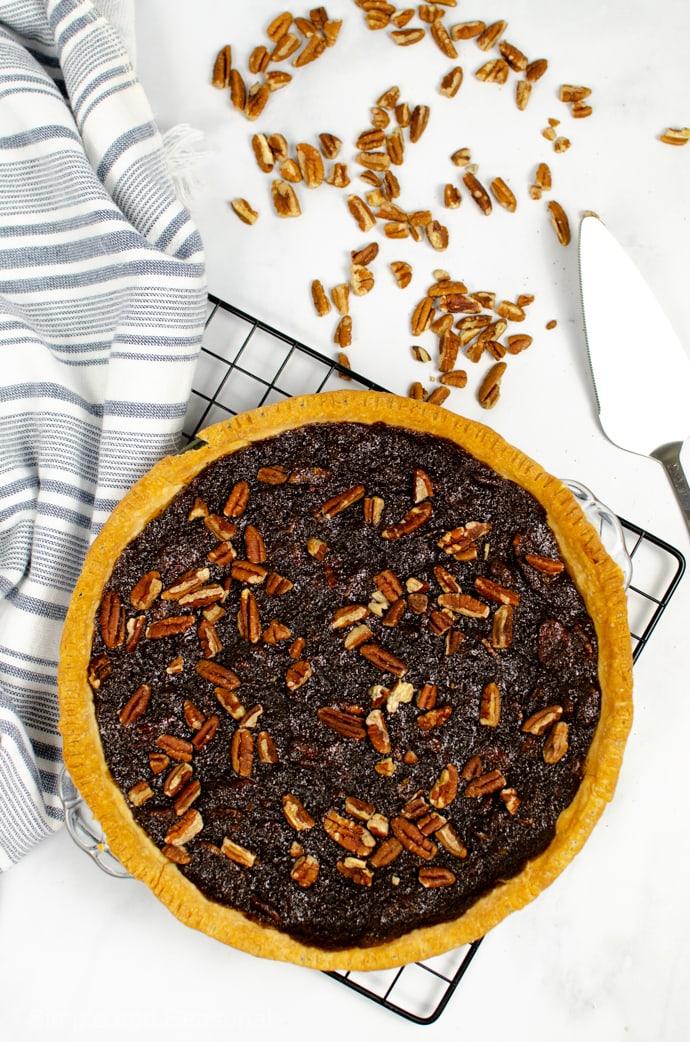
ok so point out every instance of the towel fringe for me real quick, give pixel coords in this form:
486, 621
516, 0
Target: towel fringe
183, 157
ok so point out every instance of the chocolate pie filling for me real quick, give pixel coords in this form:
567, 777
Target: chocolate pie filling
346, 682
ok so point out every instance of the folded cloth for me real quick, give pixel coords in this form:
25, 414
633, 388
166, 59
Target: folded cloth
102, 303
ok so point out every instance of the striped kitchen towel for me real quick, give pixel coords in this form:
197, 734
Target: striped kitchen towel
102, 303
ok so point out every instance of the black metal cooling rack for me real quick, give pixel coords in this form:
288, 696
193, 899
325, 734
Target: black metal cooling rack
246, 363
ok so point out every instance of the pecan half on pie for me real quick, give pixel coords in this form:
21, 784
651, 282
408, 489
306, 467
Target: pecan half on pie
348, 683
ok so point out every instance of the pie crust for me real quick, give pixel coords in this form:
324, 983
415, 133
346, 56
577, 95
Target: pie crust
597, 577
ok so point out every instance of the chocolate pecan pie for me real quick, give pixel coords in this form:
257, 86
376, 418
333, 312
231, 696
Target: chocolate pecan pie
347, 682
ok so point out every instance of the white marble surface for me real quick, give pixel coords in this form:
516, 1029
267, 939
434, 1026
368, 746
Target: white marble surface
604, 953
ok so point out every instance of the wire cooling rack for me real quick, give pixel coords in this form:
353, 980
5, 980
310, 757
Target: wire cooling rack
246, 363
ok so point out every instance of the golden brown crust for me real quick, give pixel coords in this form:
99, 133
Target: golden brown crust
597, 577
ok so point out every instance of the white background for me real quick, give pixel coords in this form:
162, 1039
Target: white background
604, 953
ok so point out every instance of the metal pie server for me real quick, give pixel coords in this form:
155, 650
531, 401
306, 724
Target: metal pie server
641, 371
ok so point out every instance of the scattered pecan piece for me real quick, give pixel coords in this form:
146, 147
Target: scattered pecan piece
373, 509
266, 748
209, 639
490, 705
417, 516
316, 548
244, 209
412, 839
222, 65
431, 878
242, 752
536, 69
451, 82
445, 788
140, 793
237, 501
378, 825
490, 388
219, 676
556, 744
185, 828
343, 723
158, 762
440, 621
472, 769
276, 475
296, 814
540, 722
194, 718
419, 120
189, 794
426, 696
349, 834
135, 630
285, 201
248, 621
546, 565
386, 767
206, 732
237, 853
146, 591
485, 784
247, 572
446, 580
136, 705
202, 597
449, 839
348, 615
178, 855
422, 487
386, 853
559, 221
223, 530
298, 674
186, 583
384, 660
394, 614
275, 632
342, 501
502, 627
356, 636
434, 718
296, 648
389, 584
355, 869
222, 554
430, 823
177, 778
464, 538
378, 732
305, 870
416, 807
112, 620
400, 694
478, 192
176, 748
463, 604
310, 164
361, 213
678, 136
359, 808
511, 800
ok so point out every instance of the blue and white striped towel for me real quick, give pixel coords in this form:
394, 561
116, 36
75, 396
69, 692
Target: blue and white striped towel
102, 301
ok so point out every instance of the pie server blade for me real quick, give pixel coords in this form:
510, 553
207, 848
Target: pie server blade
641, 371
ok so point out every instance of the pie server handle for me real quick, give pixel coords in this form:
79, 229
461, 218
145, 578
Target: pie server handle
669, 456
